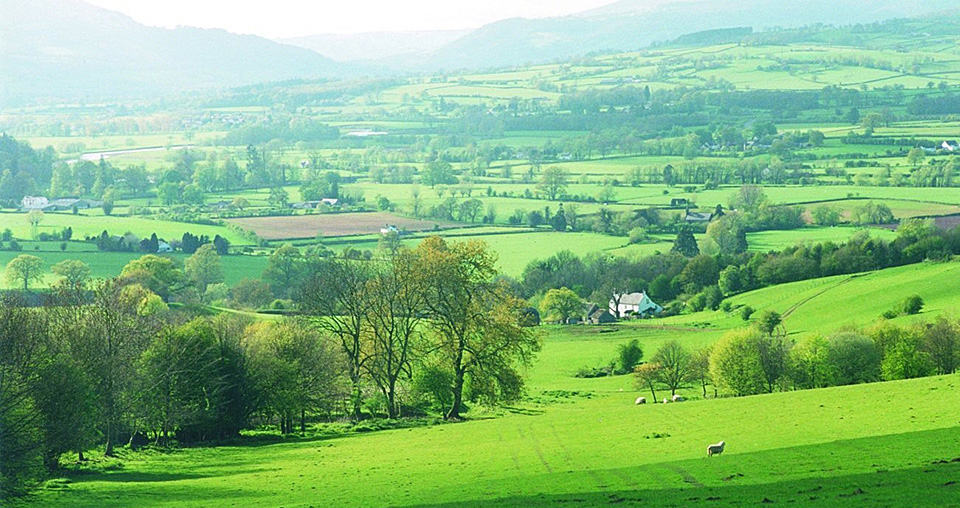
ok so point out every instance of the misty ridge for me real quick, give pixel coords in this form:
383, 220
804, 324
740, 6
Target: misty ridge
68, 50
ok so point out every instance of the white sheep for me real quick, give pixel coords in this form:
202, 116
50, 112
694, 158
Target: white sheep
641, 400
677, 398
666, 400
715, 449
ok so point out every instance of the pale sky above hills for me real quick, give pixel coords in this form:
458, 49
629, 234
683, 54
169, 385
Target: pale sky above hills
291, 18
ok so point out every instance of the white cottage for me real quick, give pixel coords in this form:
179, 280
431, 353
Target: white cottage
633, 303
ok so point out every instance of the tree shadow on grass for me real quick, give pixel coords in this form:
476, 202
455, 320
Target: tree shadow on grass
909, 469
157, 476
934, 485
524, 411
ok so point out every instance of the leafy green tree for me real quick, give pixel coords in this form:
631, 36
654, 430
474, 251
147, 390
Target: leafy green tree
911, 305
553, 182
647, 376
203, 268
854, 358
628, 356
810, 365
393, 325
941, 340
700, 368
728, 234
915, 157
334, 295
700, 272
438, 172
284, 269
75, 273
181, 390
169, 193
735, 363
475, 321
240, 203
748, 199
107, 338
294, 370
685, 244
559, 305
159, 274
825, 215
675, 365
251, 293
278, 197
24, 270
559, 221
34, 218
905, 357
769, 321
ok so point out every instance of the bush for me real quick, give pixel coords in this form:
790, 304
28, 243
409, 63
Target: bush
746, 312
628, 356
735, 363
912, 305
595, 372
638, 235
854, 358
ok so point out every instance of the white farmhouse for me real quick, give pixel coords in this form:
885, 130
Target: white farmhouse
33, 202
633, 304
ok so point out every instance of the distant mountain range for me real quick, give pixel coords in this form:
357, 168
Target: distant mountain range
67, 50
633, 24
376, 45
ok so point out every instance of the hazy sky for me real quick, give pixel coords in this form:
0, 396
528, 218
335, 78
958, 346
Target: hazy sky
289, 18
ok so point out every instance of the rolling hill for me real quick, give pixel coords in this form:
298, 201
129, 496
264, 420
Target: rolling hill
633, 24
67, 50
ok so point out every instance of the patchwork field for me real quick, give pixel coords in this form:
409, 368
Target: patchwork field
337, 224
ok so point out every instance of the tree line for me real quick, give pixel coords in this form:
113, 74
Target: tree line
690, 279
761, 359
108, 364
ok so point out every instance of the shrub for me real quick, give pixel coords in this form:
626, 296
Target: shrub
735, 363
912, 305
628, 356
854, 358
746, 312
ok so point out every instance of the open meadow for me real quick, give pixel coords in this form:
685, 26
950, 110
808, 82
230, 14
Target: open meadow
759, 226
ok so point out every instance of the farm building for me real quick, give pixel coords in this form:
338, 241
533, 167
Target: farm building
598, 316
633, 304
57, 205
698, 217
315, 204
33, 203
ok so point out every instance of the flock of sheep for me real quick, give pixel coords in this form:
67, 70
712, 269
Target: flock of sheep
675, 398
714, 449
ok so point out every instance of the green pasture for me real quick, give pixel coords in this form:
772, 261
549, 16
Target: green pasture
109, 264
825, 447
516, 250
92, 223
828, 304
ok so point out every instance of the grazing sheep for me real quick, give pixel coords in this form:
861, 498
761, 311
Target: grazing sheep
641, 400
666, 400
677, 398
715, 449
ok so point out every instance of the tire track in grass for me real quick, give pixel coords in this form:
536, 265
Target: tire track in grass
570, 463
806, 300
682, 422
536, 448
513, 453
